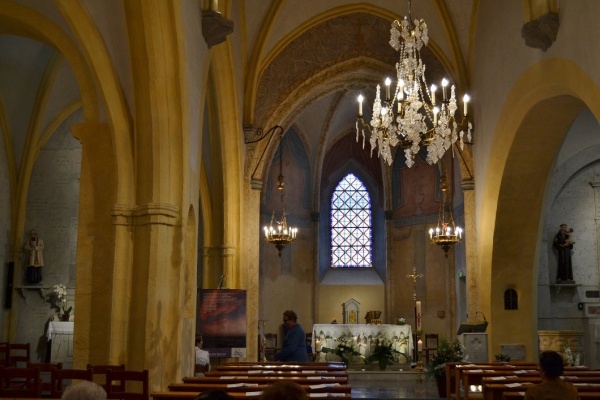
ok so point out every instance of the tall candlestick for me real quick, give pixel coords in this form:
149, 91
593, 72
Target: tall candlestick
418, 315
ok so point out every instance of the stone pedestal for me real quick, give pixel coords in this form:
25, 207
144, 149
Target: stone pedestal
476, 347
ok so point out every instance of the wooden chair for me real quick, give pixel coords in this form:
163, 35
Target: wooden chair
129, 380
99, 371
20, 383
431, 345
61, 378
18, 354
271, 346
45, 375
4, 354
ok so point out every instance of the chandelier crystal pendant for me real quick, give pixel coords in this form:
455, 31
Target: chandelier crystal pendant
446, 232
414, 114
278, 232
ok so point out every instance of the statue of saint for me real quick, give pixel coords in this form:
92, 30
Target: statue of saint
34, 246
563, 245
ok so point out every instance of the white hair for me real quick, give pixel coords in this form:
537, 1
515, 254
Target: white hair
85, 390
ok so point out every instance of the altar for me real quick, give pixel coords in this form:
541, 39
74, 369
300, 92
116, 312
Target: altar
362, 337
60, 342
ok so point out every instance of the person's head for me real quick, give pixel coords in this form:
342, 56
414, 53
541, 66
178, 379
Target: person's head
33, 234
289, 318
199, 341
214, 395
84, 390
551, 364
284, 390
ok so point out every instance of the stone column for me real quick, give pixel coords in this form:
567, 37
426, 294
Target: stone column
474, 284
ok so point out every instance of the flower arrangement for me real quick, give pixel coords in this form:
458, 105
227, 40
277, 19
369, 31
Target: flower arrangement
446, 352
401, 321
383, 353
502, 357
58, 301
345, 349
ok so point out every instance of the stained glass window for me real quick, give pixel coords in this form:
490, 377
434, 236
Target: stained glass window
351, 239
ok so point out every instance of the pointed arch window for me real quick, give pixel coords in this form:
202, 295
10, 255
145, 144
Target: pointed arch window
351, 224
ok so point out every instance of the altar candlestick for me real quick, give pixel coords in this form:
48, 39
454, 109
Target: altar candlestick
418, 315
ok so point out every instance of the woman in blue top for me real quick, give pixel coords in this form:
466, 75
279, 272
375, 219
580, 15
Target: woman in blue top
294, 342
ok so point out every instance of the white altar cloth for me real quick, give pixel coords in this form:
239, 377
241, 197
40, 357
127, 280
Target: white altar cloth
61, 334
364, 336
59, 328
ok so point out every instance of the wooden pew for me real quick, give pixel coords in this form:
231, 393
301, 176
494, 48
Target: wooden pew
277, 373
520, 395
283, 367
466, 375
315, 387
256, 395
495, 390
265, 379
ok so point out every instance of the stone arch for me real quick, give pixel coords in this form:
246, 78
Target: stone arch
538, 110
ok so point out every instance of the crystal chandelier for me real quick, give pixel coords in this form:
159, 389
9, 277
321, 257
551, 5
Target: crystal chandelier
446, 233
278, 232
413, 115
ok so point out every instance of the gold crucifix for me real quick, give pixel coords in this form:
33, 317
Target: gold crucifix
414, 276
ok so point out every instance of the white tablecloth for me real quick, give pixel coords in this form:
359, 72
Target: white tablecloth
59, 328
363, 336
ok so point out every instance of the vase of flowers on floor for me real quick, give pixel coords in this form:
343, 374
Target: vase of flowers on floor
383, 352
345, 350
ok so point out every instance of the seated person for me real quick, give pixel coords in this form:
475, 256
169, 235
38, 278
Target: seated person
552, 386
294, 342
202, 357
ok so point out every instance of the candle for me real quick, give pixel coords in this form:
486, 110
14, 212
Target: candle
444, 84
317, 345
436, 111
388, 82
420, 345
360, 100
418, 315
466, 99
433, 89
401, 91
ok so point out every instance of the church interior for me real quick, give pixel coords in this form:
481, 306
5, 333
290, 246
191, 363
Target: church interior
144, 142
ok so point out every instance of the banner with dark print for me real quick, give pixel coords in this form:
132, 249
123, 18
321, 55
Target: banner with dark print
222, 314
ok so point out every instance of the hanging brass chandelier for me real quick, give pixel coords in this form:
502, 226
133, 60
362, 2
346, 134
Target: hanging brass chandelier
278, 232
446, 232
413, 114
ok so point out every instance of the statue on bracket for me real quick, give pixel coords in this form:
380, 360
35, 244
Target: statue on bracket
564, 245
35, 261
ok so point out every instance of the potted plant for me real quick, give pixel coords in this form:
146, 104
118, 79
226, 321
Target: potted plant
383, 353
446, 352
344, 350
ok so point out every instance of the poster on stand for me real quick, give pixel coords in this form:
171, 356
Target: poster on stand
222, 314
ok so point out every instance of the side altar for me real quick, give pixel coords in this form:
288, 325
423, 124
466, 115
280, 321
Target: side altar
362, 338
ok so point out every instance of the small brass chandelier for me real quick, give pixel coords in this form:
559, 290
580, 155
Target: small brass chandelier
446, 232
413, 115
278, 232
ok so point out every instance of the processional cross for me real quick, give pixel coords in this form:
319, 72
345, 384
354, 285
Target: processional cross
414, 276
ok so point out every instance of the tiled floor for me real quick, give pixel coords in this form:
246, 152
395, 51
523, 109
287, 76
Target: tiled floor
391, 385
